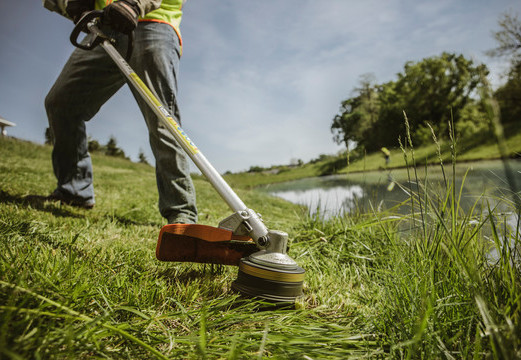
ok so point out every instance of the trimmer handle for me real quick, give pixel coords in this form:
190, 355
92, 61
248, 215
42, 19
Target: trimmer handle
82, 25
88, 24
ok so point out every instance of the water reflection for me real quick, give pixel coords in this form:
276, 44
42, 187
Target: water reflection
336, 195
329, 201
332, 195
478, 188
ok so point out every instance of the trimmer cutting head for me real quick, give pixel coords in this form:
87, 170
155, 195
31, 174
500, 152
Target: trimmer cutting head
270, 275
267, 282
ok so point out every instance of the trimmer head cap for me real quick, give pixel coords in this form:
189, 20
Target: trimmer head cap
271, 283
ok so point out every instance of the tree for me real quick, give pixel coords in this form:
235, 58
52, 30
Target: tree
509, 45
296, 162
358, 114
508, 38
112, 149
142, 157
473, 124
436, 89
509, 97
430, 91
93, 145
345, 125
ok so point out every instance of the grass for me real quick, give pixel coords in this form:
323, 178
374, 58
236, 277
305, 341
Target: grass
85, 284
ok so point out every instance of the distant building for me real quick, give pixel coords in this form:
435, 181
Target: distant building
3, 124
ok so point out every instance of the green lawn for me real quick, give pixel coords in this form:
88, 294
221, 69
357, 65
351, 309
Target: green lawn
85, 284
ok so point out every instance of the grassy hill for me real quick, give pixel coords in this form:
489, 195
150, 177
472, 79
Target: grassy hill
85, 284
427, 154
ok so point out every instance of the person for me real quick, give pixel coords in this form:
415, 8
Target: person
90, 78
387, 155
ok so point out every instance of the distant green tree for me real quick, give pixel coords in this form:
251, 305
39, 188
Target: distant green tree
93, 145
142, 157
473, 124
508, 38
321, 158
390, 125
255, 168
346, 125
369, 101
509, 97
430, 91
436, 89
296, 162
112, 149
358, 115
509, 45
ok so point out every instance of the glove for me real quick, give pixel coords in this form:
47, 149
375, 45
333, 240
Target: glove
76, 8
121, 15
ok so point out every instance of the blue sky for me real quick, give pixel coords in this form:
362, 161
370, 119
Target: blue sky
260, 81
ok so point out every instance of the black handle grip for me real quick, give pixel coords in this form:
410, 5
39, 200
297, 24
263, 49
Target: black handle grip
99, 36
82, 26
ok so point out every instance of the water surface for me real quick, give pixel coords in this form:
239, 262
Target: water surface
484, 182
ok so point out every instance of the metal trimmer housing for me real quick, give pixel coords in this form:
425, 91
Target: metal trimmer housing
271, 274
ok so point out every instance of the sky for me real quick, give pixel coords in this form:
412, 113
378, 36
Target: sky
260, 81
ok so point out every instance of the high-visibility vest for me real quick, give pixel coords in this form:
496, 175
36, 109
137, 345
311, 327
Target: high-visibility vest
169, 13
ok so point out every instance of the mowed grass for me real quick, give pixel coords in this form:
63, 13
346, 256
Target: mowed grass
86, 284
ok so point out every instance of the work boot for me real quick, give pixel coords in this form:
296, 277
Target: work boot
70, 200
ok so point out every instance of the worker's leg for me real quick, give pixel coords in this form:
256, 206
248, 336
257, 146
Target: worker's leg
87, 81
156, 61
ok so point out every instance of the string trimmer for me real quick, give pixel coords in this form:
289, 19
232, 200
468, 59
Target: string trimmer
265, 270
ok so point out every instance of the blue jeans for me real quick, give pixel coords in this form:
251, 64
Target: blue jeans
87, 81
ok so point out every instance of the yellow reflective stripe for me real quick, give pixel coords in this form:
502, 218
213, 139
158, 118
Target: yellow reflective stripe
143, 87
189, 144
271, 275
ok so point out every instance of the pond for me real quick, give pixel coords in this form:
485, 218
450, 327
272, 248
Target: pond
338, 194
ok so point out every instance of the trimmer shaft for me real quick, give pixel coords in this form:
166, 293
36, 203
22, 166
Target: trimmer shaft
268, 273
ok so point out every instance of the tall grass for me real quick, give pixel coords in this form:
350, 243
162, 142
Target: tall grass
443, 281
453, 284
85, 284
449, 287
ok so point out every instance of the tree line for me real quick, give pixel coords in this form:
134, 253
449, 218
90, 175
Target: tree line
433, 93
111, 148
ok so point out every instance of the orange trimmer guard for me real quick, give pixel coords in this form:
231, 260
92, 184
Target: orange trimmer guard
202, 244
